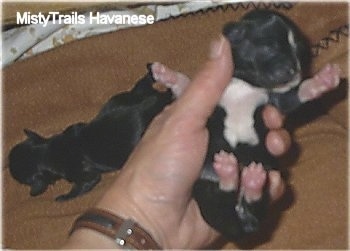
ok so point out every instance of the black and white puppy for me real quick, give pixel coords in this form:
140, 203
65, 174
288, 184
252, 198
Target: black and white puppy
270, 57
85, 150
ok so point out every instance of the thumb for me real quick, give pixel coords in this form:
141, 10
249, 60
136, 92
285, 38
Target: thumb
207, 87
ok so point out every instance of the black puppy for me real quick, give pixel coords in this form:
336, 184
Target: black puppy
271, 58
83, 151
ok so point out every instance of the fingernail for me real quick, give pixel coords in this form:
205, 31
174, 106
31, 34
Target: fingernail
216, 48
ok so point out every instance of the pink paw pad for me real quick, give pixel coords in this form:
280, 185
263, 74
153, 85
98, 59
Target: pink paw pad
176, 81
253, 179
226, 167
329, 76
162, 74
325, 80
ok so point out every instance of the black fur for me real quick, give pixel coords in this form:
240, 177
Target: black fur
85, 150
263, 57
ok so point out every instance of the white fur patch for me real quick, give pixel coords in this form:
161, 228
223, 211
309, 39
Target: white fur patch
240, 101
288, 86
296, 80
291, 39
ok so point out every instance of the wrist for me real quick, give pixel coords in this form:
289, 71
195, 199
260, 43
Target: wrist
85, 238
126, 233
125, 206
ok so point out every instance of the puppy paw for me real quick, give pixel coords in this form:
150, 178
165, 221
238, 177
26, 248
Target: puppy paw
163, 74
176, 81
325, 80
226, 167
253, 179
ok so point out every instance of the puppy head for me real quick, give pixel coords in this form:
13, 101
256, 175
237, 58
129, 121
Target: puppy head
25, 163
268, 50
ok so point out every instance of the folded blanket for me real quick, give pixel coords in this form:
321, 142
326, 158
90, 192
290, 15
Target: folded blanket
84, 21
69, 84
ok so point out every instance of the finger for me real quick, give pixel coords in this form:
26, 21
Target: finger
206, 88
276, 185
272, 117
278, 142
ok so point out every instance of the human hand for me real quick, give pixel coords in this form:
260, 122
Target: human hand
155, 185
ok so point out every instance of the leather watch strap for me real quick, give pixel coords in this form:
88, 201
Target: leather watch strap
126, 233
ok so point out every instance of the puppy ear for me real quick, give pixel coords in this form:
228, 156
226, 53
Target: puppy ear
33, 136
234, 32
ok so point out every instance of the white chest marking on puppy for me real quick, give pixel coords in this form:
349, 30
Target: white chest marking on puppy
240, 101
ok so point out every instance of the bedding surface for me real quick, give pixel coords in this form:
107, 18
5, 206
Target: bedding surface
52, 90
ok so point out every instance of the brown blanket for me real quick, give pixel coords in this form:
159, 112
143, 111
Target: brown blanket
69, 84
